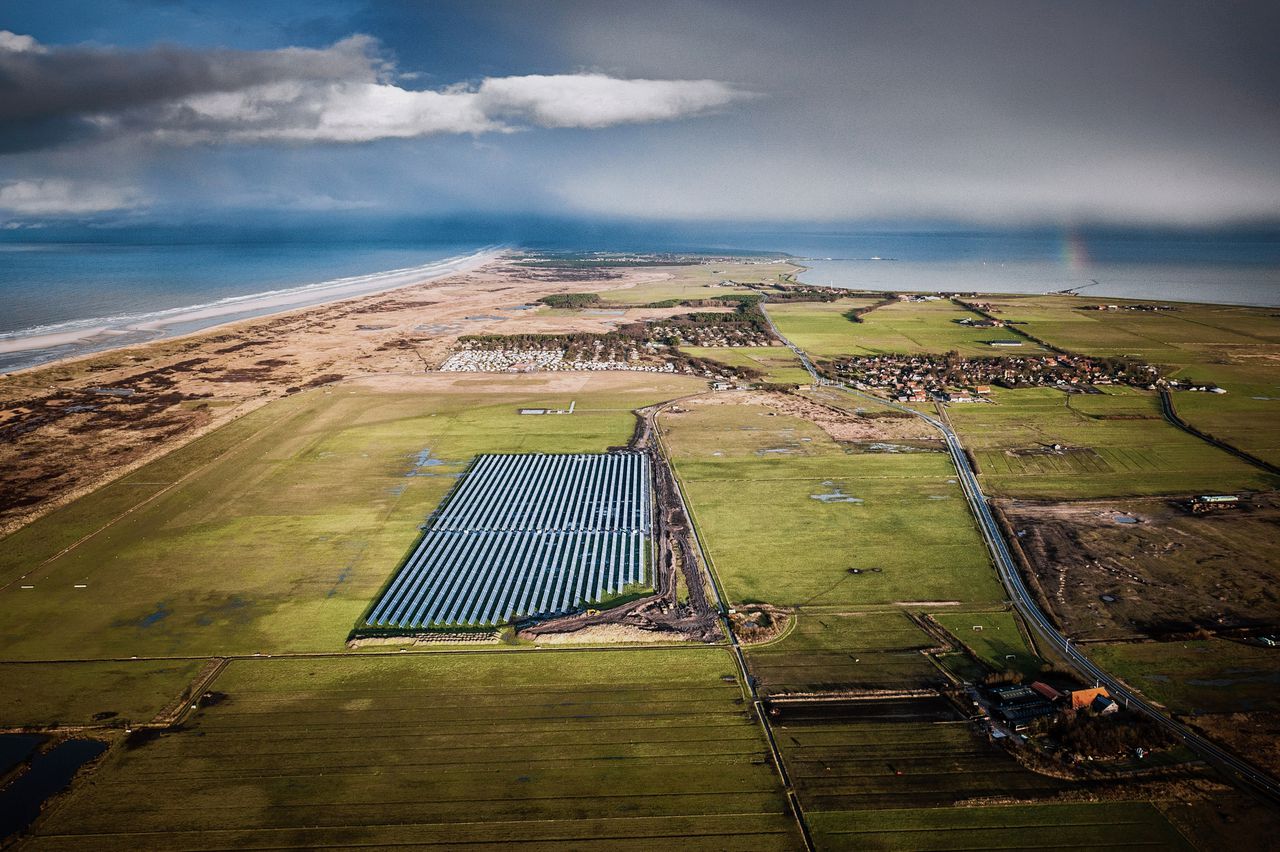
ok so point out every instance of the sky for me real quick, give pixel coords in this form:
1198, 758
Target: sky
992, 113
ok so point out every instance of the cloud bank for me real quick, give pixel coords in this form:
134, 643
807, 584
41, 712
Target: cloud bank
346, 93
57, 197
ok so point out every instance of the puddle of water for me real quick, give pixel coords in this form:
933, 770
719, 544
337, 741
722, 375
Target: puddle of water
836, 495
781, 451
1125, 519
50, 773
160, 613
422, 461
14, 748
939, 497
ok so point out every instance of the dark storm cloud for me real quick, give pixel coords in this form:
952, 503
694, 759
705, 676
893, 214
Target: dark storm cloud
343, 93
1021, 111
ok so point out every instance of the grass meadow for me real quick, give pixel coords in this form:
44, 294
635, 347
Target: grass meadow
270, 535
823, 331
1117, 444
544, 750
786, 512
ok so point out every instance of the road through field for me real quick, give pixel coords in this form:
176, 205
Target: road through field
1234, 767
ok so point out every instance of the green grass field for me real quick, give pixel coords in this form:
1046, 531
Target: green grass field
42, 694
695, 282
778, 363
274, 533
844, 766
823, 331
843, 651
1235, 347
547, 750
999, 644
754, 478
1198, 676
1117, 445
1103, 825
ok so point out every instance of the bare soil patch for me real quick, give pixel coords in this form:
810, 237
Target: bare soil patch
841, 425
1119, 569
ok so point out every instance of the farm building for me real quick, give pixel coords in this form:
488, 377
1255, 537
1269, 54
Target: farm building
1082, 698
526, 536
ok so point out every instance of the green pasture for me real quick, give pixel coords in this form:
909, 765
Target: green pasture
73, 693
274, 533
695, 282
1102, 825
1117, 444
1235, 347
845, 650
545, 750
1198, 676
823, 331
849, 766
754, 477
999, 643
778, 363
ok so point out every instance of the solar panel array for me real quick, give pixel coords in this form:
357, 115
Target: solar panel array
526, 535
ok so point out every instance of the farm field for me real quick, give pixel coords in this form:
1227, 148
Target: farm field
844, 766
626, 749
1115, 444
1232, 346
40, 694
1197, 676
838, 651
999, 640
823, 331
699, 281
290, 530
778, 363
785, 512
1228, 689
1106, 825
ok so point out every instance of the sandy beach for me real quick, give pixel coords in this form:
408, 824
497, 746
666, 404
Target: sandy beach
101, 336
70, 426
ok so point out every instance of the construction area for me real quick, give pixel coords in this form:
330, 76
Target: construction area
526, 536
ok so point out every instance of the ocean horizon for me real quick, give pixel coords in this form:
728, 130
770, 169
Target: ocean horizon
63, 299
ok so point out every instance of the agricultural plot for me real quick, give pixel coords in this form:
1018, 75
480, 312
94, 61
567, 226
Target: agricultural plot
84, 693
526, 535
1101, 825
785, 514
1113, 444
290, 522
823, 331
541, 750
1234, 347
699, 281
778, 363
841, 651
993, 637
843, 766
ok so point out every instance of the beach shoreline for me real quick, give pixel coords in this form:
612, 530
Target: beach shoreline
102, 337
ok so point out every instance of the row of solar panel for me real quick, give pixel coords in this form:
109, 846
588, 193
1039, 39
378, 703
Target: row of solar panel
526, 535
551, 492
491, 577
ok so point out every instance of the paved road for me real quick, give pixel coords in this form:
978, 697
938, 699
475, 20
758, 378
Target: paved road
1242, 771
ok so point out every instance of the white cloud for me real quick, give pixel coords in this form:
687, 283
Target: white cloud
57, 197
19, 43
347, 92
596, 100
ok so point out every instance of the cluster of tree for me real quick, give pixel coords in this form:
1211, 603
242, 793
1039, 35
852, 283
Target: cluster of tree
571, 300
1089, 735
856, 314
